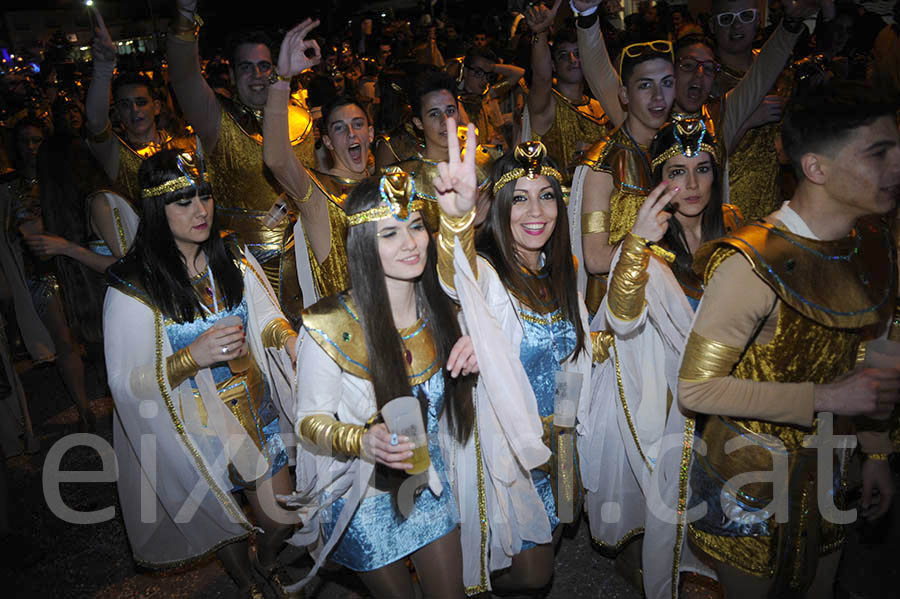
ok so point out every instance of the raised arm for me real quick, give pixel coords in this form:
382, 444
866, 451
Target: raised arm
742, 101
540, 99
103, 144
278, 153
598, 69
456, 186
598, 189
197, 99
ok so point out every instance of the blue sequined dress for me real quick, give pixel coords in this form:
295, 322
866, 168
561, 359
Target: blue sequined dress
378, 535
247, 395
547, 340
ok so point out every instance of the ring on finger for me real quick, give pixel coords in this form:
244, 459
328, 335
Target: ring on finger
225, 350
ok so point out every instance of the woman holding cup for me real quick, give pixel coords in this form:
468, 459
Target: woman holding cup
185, 307
393, 335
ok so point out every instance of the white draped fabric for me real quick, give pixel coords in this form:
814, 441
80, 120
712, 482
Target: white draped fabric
173, 477
576, 196
124, 217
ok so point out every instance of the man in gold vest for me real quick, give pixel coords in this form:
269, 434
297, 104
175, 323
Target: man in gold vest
230, 132
771, 361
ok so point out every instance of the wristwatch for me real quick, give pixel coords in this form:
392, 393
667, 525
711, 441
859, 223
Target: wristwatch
275, 77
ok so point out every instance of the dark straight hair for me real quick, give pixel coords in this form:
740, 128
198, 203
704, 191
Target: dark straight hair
387, 364
496, 243
160, 264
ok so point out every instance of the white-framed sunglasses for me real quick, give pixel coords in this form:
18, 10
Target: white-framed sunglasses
725, 19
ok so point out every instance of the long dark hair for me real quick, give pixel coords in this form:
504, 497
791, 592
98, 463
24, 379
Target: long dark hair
495, 242
162, 268
387, 364
712, 224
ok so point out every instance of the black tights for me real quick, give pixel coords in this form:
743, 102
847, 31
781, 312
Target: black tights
439, 569
531, 570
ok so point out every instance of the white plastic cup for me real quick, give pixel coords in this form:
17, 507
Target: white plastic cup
403, 417
241, 364
882, 353
565, 398
275, 214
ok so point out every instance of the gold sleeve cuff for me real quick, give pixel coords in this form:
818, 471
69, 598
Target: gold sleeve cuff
601, 341
276, 333
595, 222
329, 434
706, 359
184, 29
628, 280
450, 228
180, 366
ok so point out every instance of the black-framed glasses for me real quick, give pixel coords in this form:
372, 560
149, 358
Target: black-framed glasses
725, 19
661, 47
691, 65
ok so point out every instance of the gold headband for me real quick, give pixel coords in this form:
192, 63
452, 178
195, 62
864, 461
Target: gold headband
529, 155
192, 172
689, 134
398, 199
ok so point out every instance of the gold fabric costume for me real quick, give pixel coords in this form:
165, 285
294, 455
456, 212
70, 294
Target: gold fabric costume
753, 167
333, 275
334, 325
130, 161
816, 340
245, 190
573, 124
629, 165
424, 171
403, 144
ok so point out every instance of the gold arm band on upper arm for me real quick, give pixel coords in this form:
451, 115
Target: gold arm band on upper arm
595, 222
99, 138
276, 333
308, 195
180, 366
706, 359
450, 228
327, 433
628, 279
601, 341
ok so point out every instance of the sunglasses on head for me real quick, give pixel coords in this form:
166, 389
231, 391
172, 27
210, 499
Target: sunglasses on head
661, 47
725, 19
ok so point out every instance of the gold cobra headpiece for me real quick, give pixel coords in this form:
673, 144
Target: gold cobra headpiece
691, 138
398, 199
529, 155
193, 174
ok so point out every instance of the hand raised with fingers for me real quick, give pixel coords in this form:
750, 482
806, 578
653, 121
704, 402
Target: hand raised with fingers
456, 183
298, 53
103, 48
652, 220
540, 18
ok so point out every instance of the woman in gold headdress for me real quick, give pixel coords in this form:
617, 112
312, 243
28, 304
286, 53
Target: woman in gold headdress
527, 322
208, 395
393, 334
652, 295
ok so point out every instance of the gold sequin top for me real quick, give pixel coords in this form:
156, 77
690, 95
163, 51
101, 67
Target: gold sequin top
403, 144
573, 124
130, 161
629, 165
753, 166
332, 275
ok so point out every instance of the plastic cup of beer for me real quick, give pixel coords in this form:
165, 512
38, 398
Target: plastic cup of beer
403, 418
275, 214
565, 398
241, 364
882, 353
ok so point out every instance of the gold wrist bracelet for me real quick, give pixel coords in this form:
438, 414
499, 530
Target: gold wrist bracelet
180, 366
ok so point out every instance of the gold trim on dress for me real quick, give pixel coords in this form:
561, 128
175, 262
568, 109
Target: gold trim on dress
627, 411
706, 359
121, 230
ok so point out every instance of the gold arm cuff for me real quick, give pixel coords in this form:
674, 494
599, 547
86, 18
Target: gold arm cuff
628, 280
878, 457
450, 228
595, 222
601, 341
308, 195
99, 138
186, 30
276, 333
706, 359
327, 433
180, 366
